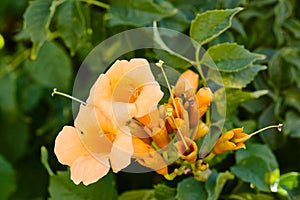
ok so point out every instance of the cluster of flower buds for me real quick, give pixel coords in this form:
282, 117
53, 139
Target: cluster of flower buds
173, 129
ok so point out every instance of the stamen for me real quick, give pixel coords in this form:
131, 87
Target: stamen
160, 65
169, 114
68, 96
279, 128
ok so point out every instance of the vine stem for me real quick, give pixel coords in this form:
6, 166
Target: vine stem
96, 3
15, 62
198, 65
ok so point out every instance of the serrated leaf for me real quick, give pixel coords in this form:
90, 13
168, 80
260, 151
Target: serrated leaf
210, 24
61, 187
229, 57
190, 188
52, 68
143, 194
238, 79
139, 13
253, 170
71, 25
163, 192
7, 178
36, 22
215, 184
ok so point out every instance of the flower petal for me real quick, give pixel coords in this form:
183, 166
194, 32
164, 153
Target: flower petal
88, 170
122, 150
86, 120
190, 79
68, 146
148, 99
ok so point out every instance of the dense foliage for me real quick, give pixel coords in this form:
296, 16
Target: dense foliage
254, 43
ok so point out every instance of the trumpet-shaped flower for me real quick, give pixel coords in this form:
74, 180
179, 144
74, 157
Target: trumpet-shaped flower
148, 157
100, 138
231, 140
89, 151
127, 90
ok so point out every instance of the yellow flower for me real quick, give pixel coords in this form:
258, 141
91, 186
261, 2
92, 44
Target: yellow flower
190, 153
148, 157
204, 97
231, 140
187, 80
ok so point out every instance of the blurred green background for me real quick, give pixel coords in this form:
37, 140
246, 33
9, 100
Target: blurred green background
30, 118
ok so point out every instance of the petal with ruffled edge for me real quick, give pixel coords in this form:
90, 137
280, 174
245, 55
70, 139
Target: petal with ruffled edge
68, 146
122, 150
89, 170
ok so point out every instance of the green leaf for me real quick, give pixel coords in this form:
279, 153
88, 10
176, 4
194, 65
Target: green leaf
215, 184
163, 192
36, 22
289, 185
61, 187
253, 170
210, 24
143, 194
178, 22
293, 25
229, 57
71, 25
282, 11
190, 188
238, 79
14, 136
28, 93
280, 77
7, 178
292, 124
292, 98
52, 68
166, 53
271, 137
234, 97
139, 13
8, 92
260, 151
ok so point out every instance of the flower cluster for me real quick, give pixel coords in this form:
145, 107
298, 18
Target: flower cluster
121, 122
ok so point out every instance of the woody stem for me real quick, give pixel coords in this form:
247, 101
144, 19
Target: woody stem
68, 96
